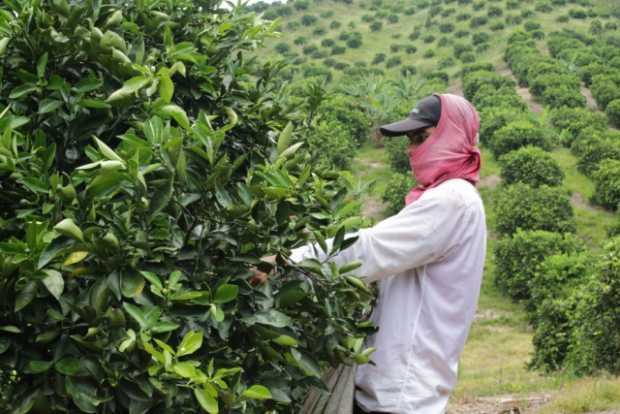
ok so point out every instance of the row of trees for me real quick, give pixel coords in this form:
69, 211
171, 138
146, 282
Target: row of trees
569, 292
583, 130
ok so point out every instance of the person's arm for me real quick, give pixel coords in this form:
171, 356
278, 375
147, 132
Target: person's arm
421, 233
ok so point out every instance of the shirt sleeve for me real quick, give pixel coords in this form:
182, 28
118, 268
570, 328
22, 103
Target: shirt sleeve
421, 233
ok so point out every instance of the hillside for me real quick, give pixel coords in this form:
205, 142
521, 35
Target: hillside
404, 43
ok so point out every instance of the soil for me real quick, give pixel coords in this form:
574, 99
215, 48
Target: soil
591, 102
502, 404
373, 208
490, 181
523, 92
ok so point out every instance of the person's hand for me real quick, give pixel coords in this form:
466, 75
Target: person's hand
261, 277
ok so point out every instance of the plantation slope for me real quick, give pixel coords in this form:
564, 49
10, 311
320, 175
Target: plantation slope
310, 35
592, 220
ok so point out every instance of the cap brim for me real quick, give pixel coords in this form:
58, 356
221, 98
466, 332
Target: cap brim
402, 127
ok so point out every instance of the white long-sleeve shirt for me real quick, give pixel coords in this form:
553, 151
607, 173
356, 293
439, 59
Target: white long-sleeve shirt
428, 260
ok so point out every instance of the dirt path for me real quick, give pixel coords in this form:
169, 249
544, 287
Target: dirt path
591, 102
523, 92
503, 404
490, 181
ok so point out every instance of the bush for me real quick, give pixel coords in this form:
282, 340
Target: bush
428, 54
494, 11
334, 24
595, 340
393, 18
446, 27
332, 146
408, 70
376, 26
319, 31
428, 39
518, 134
300, 40
398, 156
293, 25
354, 42
348, 112
532, 166
309, 49
462, 17
593, 150
414, 35
497, 26
379, 57
308, 19
571, 121
517, 260
528, 208
397, 187
530, 26
607, 184
613, 112
394, 47
328, 42
393, 61
410, 50
478, 21
553, 295
480, 37
124, 259
578, 13
282, 47
563, 95
338, 50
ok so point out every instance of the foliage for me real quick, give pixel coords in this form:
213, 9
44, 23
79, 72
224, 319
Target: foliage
532, 166
595, 340
517, 258
517, 134
571, 121
349, 114
613, 112
154, 164
543, 208
398, 156
594, 150
607, 184
397, 187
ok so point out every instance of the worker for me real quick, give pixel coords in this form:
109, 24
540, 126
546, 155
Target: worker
428, 261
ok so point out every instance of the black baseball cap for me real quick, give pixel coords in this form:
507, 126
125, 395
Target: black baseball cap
425, 114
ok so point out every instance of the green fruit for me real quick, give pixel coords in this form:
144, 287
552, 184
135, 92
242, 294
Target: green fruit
67, 193
114, 19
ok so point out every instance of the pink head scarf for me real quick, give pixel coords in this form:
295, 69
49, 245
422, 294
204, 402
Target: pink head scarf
450, 151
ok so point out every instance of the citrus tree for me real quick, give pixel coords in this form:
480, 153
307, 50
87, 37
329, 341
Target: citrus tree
147, 161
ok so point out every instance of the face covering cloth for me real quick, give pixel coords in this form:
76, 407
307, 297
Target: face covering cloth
450, 151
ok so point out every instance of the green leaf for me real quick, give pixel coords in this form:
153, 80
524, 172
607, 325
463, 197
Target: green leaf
106, 183
68, 228
136, 313
291, 293
75, 257
257, 392
284, 140
185, 369
48, 105
226, 293
191, 342
25, 296
54, 282
22, 90
350, 266
41, 65
177, 113
38, 367
132, 284
130, 87
93, 104
152, 277
307, 364
69, 366
4, 42
270, 317
166, 87
107, 151
206, 401
286, 340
